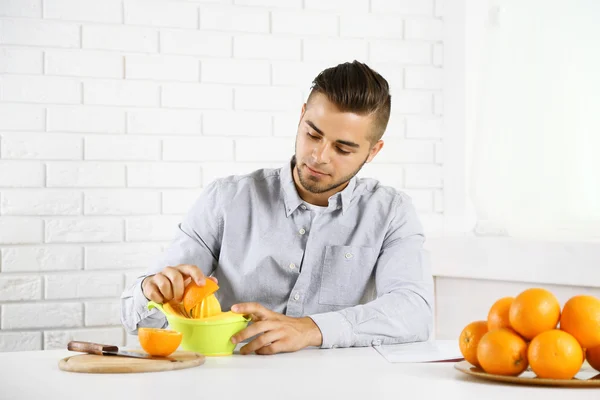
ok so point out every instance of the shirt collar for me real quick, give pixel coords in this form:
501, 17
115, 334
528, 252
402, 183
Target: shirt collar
292, 199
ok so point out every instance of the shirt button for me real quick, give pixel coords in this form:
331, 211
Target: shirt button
296, 297
302, 231
292, 266
338, 207
303, 207
348, 255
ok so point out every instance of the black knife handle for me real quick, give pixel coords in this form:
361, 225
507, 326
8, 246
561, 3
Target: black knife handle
92, 348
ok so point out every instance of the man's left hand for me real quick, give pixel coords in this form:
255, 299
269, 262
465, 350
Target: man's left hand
278, 333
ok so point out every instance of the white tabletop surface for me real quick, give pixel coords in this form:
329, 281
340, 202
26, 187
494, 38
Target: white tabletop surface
354, 373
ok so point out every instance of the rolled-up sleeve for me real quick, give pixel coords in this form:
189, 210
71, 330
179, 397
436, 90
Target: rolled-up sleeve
197, 242
402, 311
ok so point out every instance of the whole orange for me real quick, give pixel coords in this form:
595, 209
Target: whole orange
593, 357
555, 354
498, 314
581, 318
469, 339
159, 342
502, 352
534, 311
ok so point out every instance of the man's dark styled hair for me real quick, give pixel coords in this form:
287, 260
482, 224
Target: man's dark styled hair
354, 87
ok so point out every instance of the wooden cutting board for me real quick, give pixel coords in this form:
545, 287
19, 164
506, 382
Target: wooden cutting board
96, 364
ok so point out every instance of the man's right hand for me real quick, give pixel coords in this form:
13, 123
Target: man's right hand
170, 283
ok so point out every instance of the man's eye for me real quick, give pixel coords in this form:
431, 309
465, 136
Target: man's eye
312, 136
342, 151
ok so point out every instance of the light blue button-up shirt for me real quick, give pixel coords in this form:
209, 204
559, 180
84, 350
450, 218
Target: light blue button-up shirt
357, 268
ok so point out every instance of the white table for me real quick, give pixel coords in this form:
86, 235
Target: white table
355, 373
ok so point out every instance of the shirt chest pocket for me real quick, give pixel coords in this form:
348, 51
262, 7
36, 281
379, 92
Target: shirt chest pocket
346, 273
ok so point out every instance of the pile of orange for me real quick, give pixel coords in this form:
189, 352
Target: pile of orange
532, 330
198, 302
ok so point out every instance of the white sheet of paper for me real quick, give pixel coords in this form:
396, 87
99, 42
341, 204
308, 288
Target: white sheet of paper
434, 350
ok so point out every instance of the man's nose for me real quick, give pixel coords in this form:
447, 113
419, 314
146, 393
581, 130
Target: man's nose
321, 153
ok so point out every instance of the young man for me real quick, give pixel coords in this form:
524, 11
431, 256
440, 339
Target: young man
301, 248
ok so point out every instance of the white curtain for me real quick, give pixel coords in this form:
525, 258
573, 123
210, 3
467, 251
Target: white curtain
534, 166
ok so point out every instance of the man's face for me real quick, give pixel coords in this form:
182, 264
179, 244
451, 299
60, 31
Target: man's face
331, 146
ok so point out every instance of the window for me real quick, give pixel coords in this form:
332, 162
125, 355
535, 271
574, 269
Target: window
532, 120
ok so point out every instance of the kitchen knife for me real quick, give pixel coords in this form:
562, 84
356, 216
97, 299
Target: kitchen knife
109, 350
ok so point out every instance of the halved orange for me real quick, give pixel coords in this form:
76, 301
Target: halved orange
159, 342
194, 294
175, 309
207, 308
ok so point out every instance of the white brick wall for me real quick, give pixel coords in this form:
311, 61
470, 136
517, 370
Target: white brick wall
164, 122
122, 148
179, 201
25, 146
36, 258
102, 313
76, 286
163, 175
17, 230
121, 38
40, 202
335, 50
236, 71
42, 315
267, 98
21, 174
27, 32
84, 174
161, 13
236, 123
115, 113
21, 8
195, 43
40, 89
121, 256
161, 68
88, 64
121, 202
161, 227
335, 5
21, 60
58, 339
84, 10
198, 149
360, 25
14, 287
198, 96
20, 341
240, 19
267, 47
119, 93
407, 151
403, 7
85, 119
83, 230
304, 23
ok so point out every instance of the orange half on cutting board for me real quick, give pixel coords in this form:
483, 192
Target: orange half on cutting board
159, 342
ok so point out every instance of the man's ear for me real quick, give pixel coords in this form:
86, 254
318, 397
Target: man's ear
302, 113
374, 150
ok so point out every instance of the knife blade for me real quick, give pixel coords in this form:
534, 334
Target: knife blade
109, 350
